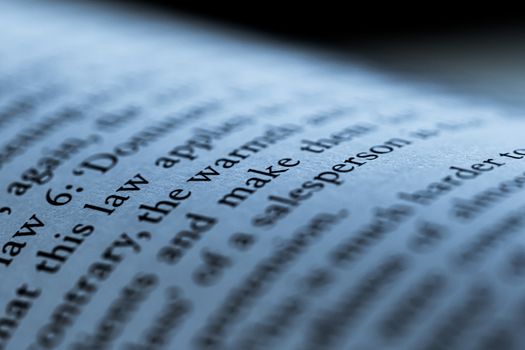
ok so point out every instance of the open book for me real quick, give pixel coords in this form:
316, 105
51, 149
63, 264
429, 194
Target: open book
169, 185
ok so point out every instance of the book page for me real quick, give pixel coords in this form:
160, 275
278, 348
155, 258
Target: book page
166, 184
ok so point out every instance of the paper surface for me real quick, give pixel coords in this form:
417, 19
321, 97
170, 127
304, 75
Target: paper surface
168, 185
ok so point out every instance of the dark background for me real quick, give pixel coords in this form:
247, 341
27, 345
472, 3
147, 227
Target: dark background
341, 22
473, 51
